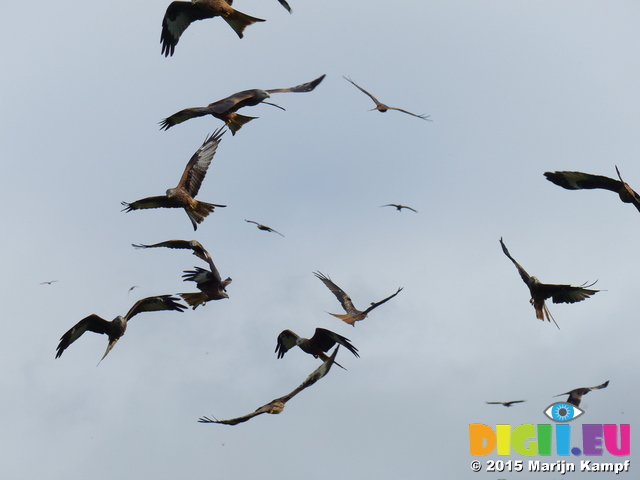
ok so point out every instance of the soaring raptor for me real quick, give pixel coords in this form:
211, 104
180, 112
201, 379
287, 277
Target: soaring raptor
353, 314
179, 16
277, 406
183, 195
116, 327
541, 291
317, 345
579, 180
381, 107
575, 395
226, 109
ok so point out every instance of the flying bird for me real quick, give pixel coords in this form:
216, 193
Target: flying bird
575, 395
277, 406
182, 196
353, 314
579, 180
541, 291
264, 227
48, 282
381, 107
116, 327
506, 404
179, 16
321, 342
210, 284
226, 109
399, 207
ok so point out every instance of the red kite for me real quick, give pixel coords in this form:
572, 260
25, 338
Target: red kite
210, 284
353, 314
226, 108
399, 207
116, 327
506, 404
183, 195
381, 107
579, 180
321, 342
541, 291
264, 227
179, 16
575, 395
277, 406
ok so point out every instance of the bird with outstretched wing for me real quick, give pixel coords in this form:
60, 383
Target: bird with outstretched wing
277, 406
352, 313
264, 227
381, 107
226, 109
115, 328
506, 404
399, 207
180, 15
542, 291
183, 195
317, 345
575, 395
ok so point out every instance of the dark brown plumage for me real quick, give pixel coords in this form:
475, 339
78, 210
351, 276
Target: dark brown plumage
116, 328
579, 180
506, 404
399, 207
182, 196
381, 107
277, 406
196, 247
226, 108
541, 291
179, 16
353, 314
575, 395
317, 345
210, 284
264, 227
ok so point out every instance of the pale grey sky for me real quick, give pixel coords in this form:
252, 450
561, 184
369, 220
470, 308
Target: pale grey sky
514, 89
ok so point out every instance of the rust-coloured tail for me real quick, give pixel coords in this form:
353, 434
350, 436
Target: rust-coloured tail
200, 212
194, 299
235, 121
351, 320
239, 21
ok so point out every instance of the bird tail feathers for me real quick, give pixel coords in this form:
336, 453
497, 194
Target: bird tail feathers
236, 121
239, 21
194, 299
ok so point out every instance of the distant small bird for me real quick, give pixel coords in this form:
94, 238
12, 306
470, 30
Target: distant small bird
579, 180
179, 16
116, 327
277, 406
398, 207
226, 108
506, 404
182, 196
575, 395
131, 288
49, 282
541, 291
321, 342
381, 107
264, 227
353, 314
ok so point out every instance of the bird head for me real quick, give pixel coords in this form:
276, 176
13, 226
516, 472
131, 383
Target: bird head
170, 191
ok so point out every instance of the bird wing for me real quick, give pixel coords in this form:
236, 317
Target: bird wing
286, 341
340, 294
422, 116
565, 293
523, 273
193, 245
197, 167
604, 385
160, 201
325, 339
377, 304
277, 405
631, 194
233, 102
304, 87
204, 278
580, 180
362, 90
177, 18
183, 116
285, 5
93, 323
151, 304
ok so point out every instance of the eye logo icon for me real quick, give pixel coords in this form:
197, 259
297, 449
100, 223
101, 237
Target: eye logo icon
563, 412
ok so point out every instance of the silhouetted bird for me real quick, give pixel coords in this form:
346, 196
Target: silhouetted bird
399, 207
575, 395
264, 227
506, 404
321, 342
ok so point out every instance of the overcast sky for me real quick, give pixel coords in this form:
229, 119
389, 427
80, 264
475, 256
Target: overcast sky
514, 89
